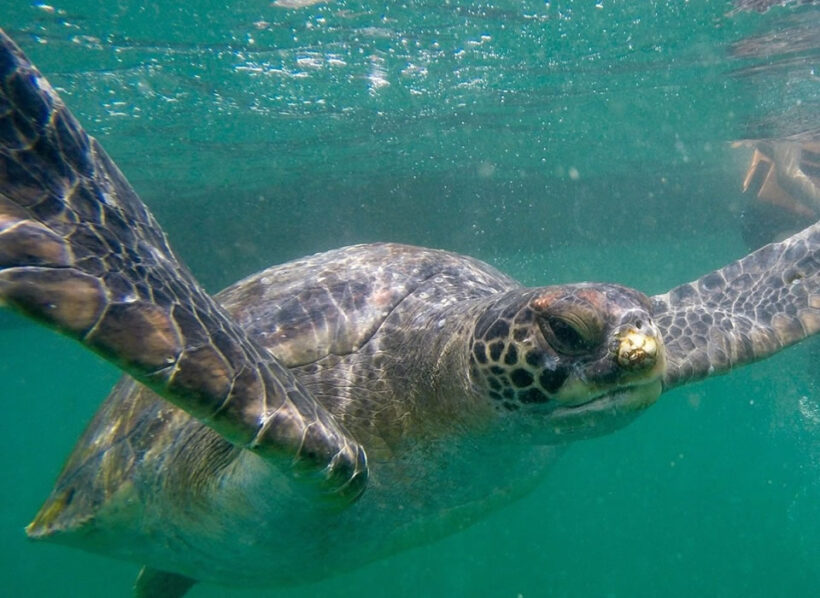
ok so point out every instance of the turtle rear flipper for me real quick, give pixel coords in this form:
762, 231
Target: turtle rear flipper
153, 583
743, 312
80, 252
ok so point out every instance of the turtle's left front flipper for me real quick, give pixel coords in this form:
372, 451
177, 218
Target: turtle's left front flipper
81, 253
743, 312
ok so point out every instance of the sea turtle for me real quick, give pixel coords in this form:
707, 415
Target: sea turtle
331, 410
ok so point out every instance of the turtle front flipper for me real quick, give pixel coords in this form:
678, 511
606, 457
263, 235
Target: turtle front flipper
743, 312
80, 252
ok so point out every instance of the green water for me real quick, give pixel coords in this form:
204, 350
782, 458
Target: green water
560, 141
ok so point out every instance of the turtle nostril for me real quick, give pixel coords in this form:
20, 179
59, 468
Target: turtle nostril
638, 324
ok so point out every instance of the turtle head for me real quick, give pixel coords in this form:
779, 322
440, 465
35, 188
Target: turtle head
584, 358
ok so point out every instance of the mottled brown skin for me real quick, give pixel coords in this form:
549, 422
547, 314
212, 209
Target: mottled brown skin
455, 380
562, 344
80, 252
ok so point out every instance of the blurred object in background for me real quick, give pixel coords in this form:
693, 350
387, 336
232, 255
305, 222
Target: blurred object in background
784, 179
778, 68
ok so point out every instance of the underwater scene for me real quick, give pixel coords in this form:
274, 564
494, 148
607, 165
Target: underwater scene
639, 143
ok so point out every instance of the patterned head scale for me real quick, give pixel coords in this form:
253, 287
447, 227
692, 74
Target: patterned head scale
567, 346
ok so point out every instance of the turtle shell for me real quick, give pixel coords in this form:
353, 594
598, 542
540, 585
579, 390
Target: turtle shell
335, 309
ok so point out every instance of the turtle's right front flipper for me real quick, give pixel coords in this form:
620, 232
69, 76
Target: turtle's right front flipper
81, 253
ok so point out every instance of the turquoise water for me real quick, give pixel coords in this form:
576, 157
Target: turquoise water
559, 141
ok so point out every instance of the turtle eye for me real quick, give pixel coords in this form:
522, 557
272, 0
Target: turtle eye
566, 335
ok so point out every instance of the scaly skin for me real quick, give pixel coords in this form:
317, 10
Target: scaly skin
743, 312
80, 252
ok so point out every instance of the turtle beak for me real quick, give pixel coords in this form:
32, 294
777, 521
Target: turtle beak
638, 351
